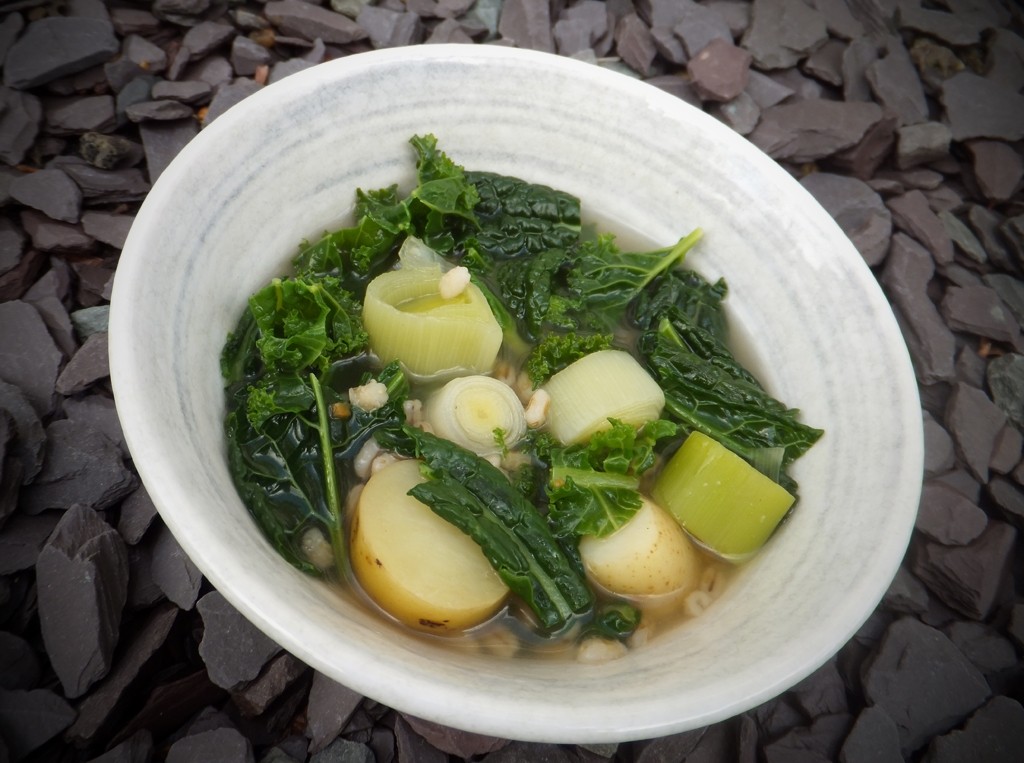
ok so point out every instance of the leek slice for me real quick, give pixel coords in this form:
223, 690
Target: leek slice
470, 409
608, 384
407, 320
724, 503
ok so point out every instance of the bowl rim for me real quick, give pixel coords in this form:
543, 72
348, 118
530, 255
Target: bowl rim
138, 438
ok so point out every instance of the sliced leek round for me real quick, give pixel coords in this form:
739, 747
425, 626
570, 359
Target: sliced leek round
408, 320
479, 413
608, 384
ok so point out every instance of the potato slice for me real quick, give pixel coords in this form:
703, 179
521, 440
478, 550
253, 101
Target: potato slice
650, 555
419, 568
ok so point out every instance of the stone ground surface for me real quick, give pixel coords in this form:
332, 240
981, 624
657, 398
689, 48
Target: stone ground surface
904, 118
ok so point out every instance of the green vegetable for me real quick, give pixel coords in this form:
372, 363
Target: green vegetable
616, 620
557, 351
705, 397
607, 280
477, 497
594, 488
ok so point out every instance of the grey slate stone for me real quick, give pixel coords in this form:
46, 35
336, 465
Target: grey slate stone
248, 55
822, 692
634, 43
979, 310
939, 455
107, 227
50, 191
90, 364
1005, 60
982, 645
959, 29
994, 734
344, 751
162, 111
527, 23
697, 25
227, 96
223, 745
921, 143
95, 711
912, 213
330, 707
766, 91
998, 169
451, 31
10, 28
741, 113
1008, 498
163, 140
782, 32
175, 574
968, 578
283, 69
19, 665
947, 516
20, 117
826, 63
720, 71
814, 129
908, 269
963, 238
281, 672
56, 46
52, 236
136, 749
897, 87
839, 20
82, 575
233, 649
462, 744
311, 22
387, 28
906, 594
820, 741
874, 738
82, 465
81, 114
902, 682
974, 421
215, 71
29, 719
860, 54
858, 210
29, 358
1006, 454
109, 186
186, 91
977, 107
21, 539
1006, 381
28, 447
206, 36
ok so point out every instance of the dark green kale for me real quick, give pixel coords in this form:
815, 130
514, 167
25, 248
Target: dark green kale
557, 351
594, 488
615, 620
606, 280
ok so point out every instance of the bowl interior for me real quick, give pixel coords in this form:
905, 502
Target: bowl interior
230, 211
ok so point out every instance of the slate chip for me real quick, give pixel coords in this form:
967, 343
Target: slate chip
979, 310
980, 108
921, 143
233, 649
874, 738
281, 672
995, 733
19, 665
526, 23
55, 46
949, 517
975, 422
982, 645
312, 22
968, 578
77, 115
224, 745
900, 679
912, 213
137, 749
813, 129
896, 85
782, 32
29, 719
635, 44
82, 577
82, 465
858, 210
463, 744
720, 71
163, 140
175, 574
90, 364
50, 191
29, 359
227, 96
330, 706
998, 169
29, 443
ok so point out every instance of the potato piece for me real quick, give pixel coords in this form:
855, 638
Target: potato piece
649, 555
419, 568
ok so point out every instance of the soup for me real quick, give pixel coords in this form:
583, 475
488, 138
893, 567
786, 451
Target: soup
495, 426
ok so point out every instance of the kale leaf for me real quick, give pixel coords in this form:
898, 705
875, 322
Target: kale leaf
557, 351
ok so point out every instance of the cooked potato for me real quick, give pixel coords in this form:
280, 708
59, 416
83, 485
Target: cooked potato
415, 565
649, 555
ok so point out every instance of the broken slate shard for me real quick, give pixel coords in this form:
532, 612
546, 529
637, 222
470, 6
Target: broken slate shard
82, 465
813, 129
55, 46
29, 719
233, 649
994, 734
82, 582
858, 210
330, 706
29, 359
782, 32
902, 680
977, 107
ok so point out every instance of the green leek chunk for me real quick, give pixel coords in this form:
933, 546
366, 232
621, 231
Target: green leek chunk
723, 502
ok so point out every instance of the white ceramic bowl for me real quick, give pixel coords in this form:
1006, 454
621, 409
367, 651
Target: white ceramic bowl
283, 165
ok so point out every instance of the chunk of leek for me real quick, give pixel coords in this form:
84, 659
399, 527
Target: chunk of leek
468, 411
407, 320
608, 384
723, 502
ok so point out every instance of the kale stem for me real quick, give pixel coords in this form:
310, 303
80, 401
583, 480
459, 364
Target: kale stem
330, 481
